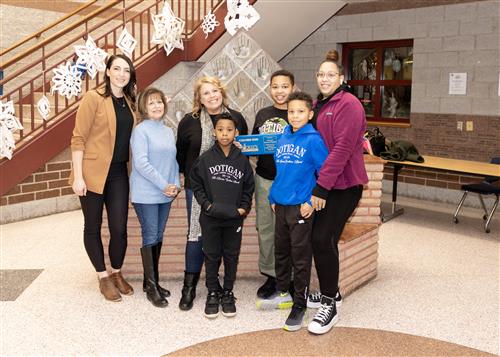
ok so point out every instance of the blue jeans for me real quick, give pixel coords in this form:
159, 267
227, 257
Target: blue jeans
153, 218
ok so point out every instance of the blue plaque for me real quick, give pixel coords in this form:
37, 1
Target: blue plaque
259, 144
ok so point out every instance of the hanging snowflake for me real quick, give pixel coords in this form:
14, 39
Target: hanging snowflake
126, 42
67, 80
8, 125
240, 14
168, 29
43, 107
209, 23
91, 56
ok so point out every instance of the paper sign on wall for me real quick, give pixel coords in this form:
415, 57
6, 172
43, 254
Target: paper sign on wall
458, 83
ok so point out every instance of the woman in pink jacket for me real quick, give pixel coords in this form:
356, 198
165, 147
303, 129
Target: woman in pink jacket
340, 119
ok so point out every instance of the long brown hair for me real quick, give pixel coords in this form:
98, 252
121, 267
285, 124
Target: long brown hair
129, 89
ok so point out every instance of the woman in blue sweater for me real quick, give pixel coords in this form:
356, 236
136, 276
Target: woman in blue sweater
154, 183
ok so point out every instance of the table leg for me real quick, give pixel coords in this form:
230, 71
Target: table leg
394, 210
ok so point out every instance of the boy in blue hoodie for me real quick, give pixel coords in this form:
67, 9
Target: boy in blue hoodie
299, 155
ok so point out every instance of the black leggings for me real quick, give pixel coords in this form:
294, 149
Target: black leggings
115, 198
328, 226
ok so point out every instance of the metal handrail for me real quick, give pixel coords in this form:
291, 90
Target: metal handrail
47, 28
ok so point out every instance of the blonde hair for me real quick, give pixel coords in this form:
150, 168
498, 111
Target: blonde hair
143, 102
197, 96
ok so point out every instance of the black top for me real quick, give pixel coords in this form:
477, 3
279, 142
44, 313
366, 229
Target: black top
269, 120
124, 124
223, 183
189, 141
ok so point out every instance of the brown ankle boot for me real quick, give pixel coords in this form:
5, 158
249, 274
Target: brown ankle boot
109, 290
121, 284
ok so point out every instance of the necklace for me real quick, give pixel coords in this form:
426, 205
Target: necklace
120, 102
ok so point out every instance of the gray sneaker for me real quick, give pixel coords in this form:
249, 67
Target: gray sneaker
295, 319
279, 300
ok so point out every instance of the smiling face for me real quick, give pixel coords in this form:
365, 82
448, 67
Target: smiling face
299, 114
155, 107
211, 98
119, 76
328, 78
280, 89
225, 132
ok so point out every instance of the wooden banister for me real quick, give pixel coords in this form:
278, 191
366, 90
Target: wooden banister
47, 28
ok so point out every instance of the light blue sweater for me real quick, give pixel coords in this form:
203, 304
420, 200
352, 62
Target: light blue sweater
153, 162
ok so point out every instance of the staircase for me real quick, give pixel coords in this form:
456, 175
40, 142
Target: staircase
28, 74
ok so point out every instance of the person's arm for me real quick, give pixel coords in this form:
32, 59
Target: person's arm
140, 156
197, 185
182, 145
248, 189
85, 117
320, 154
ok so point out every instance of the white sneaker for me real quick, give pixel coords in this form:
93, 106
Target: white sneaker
279, 300
325, 317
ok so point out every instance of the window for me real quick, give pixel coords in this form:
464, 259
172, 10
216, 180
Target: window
380, 74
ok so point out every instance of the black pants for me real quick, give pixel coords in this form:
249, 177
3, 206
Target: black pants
292, 247
221, 239
328, 226
115, 198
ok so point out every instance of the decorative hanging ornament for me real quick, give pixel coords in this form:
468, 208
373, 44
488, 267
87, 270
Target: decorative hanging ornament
91, 56
43, 107
209, 23
240, 14
168, 29
8, 125
67, 80
126, 42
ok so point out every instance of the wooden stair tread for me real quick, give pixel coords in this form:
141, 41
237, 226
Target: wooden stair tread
356, 230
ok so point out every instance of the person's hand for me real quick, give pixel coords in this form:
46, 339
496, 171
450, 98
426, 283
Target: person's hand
238, 144
79, 187
242, 211
318, 203
171, 190
273, 206
306, 210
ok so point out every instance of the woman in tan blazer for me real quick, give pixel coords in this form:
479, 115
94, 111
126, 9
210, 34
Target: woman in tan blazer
100, 152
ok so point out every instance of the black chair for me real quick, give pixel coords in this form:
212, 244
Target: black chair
488, 187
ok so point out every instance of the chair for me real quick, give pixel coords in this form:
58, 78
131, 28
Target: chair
488, 187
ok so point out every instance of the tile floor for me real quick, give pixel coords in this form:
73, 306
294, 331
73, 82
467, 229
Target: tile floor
436, 279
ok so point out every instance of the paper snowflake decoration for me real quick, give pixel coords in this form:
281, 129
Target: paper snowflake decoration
8, 125
126, 42
168, 29
67, 80
240, 14
209, 23
91, 56
43, 107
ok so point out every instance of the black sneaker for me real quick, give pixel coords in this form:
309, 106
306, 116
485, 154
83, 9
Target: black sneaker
295, 318
325, 317
212, 305
314, 300
267, 289
228, 304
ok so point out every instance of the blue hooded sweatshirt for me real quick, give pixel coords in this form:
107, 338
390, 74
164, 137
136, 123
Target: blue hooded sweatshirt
298, 156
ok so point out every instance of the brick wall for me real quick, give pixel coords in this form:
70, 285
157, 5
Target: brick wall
44, 192
462, 37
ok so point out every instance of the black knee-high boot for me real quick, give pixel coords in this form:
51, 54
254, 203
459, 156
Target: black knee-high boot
152, 292
157, 250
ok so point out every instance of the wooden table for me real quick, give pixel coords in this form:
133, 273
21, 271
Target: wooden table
438, 163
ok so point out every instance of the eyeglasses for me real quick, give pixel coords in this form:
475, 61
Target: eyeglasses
329, 75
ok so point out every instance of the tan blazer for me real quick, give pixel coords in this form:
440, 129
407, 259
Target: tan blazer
94, 134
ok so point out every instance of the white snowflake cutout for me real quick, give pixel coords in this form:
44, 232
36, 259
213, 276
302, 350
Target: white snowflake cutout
7, 142
8, 125
168, 29
43, 107
91, 56
240, 14
209, 23
67, 80
126, 42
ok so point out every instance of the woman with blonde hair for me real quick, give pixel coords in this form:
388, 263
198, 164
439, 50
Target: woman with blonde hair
154, 183
194, 137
